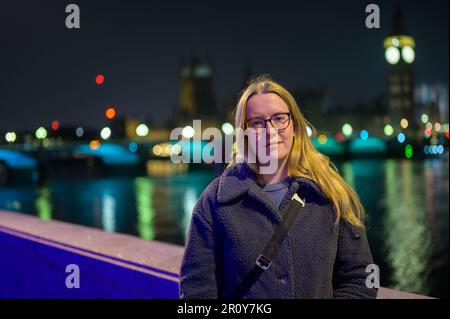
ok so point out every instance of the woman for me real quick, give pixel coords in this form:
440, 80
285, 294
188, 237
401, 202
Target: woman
324, 254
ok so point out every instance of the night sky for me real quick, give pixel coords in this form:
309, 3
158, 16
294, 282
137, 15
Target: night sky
48, 71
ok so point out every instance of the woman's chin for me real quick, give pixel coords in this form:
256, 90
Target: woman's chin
275, 152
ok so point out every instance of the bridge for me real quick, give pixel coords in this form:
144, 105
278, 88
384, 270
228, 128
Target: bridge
23, 163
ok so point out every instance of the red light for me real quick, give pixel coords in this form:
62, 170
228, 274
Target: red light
427, 132
100, 79
446, 133
55, 125
110, 113
339, 137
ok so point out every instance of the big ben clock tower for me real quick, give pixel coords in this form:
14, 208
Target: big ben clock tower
400, 56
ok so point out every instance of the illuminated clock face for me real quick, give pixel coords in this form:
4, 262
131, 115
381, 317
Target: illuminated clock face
408, 54
392, 55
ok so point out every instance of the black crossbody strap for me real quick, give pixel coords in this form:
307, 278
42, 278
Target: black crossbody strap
265, 259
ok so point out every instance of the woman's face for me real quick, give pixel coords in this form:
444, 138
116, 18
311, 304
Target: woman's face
265, 106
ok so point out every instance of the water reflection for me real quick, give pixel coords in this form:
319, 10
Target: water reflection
189, 200
408, 240
44, 203
144, 189
407, 204
108, 213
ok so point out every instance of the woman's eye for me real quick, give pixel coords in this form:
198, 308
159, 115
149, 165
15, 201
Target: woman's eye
278, 118
256, 122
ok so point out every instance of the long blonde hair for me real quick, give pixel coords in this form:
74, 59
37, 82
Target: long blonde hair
304, 160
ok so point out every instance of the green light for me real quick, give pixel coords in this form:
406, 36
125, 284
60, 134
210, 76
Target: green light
408, 151
142, 130
227, 128
424, 118
41, 133
44, 204
348, 173
347, 129
144, 190
10, 137
408, 241
388, 130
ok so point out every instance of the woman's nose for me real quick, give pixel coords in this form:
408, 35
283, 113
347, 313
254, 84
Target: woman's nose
270, 130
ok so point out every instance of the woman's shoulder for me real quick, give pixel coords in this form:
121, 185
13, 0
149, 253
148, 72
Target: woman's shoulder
210, 192
232, 183
308, 187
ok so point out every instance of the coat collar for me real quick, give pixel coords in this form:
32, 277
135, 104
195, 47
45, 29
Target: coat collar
239, 179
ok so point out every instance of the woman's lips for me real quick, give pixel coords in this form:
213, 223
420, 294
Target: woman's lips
273, 143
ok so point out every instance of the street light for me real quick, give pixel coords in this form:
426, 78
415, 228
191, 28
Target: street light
79, 131
347, 129
227, 128
142, 130
110, 113
41, 133
424, 118
10, 137
105, 133
188, 131
388, 130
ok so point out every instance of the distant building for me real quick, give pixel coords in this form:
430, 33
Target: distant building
432, 100
197, 99
231, 101
400, 56
314, 106
369, 115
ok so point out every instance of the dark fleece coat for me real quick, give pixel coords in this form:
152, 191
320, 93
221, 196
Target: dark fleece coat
234, 219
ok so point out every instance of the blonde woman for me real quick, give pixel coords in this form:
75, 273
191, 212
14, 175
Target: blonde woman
325, 251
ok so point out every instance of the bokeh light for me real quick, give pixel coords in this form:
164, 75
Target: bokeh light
94, 144
133, 147
142, 130
364, 134
408, 151
10, 137
110, 113
424, 118
79, 132
404, 123
55, 125
100, 79
322, 139
105, 133
401, 137
388, 130
227, 128
347, 129
41, 133
188, 131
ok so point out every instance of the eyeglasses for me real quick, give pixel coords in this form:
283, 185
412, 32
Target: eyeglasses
279, 121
